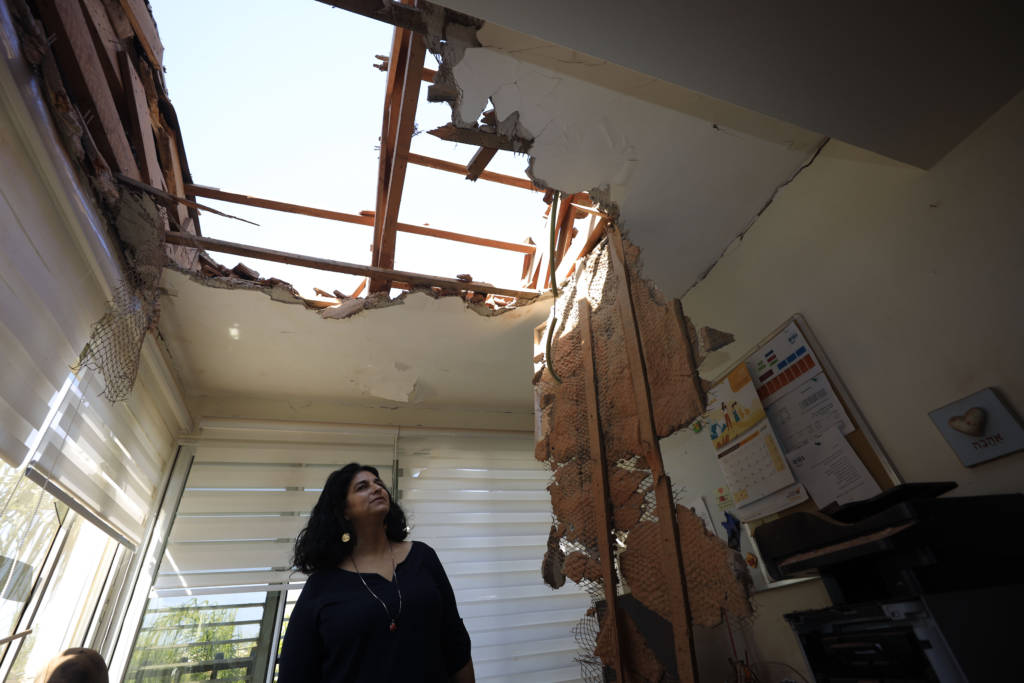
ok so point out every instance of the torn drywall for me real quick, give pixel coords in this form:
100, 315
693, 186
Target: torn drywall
684, 187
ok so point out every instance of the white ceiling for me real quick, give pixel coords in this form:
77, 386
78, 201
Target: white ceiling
425, 351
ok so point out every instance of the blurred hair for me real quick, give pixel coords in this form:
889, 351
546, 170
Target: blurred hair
75, 665
318, 545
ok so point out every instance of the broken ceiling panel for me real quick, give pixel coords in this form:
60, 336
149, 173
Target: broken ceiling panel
685, 187
234, 339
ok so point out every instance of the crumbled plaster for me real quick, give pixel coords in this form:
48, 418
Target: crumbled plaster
285, 293
682, 186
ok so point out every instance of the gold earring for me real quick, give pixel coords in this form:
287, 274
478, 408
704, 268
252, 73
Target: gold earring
346, 537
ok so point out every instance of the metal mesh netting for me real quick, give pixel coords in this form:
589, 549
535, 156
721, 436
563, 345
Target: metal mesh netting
640, 538
115, 345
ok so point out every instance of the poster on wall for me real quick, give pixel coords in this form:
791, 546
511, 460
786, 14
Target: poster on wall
748, 451
797, 396
831, 470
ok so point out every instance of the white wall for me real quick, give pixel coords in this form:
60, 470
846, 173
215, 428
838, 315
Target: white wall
912, 282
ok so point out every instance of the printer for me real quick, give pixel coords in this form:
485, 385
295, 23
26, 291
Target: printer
924, 587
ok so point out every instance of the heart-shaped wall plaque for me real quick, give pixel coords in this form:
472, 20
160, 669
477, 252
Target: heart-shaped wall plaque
971, 423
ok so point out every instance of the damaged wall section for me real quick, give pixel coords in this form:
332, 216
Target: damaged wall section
598, 314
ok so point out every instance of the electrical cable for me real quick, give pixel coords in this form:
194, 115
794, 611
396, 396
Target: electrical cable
554, 289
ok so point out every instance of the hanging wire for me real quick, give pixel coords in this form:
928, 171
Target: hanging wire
554, 288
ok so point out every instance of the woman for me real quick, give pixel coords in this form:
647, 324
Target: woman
375, 607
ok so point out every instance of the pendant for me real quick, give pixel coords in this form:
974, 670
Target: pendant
393, 627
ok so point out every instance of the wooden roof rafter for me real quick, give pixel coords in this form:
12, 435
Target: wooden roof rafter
404, 77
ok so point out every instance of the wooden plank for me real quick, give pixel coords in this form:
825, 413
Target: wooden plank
406, 16
594, 237
566, 224
86, 81
384, 248
193, 190
342, 267
248, 200
173, 173
601, 493
682, 630
452, 167
108, 43
118, 19
466, 239
479, 162
478, 138
171, 200
139, 127
145, 30
389, 131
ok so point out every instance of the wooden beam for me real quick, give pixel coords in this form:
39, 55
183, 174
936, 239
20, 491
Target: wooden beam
679, 607
466, 239
145, 30
386, 274
600, 490
594, 237
479, 162
405, 16
214, 193
86, 81
452, 167
478, 138
168, 199
139, 126
406, 102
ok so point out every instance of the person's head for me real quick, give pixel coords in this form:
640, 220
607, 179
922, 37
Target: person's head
76, 665
353, 497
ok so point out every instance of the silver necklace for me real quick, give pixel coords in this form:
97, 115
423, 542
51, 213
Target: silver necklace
393, 625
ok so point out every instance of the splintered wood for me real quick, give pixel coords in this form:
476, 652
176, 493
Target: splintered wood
102, 77
628, 377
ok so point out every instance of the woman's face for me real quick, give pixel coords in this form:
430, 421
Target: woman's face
367, 497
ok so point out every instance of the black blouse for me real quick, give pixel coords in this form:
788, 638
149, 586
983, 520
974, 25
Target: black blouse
338, 632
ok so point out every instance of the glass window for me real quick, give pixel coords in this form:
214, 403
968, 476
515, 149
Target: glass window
207, 637
29, 523
289, 605
67, 607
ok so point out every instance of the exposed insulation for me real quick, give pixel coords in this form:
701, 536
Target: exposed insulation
716, 575
563, 442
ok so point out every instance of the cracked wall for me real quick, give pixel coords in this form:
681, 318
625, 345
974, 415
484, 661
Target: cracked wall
685, 187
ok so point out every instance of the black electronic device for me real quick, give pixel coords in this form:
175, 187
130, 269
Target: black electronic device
924, 588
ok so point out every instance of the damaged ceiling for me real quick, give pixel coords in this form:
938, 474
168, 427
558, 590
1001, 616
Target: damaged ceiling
685, 187
228, 337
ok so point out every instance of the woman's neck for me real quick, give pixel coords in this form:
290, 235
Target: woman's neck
371, 541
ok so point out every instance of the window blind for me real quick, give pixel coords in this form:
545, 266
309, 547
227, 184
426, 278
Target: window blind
250, 491
48, 302
109, 460
480, 500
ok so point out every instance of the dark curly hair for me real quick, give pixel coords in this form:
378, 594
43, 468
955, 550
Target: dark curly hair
318, 545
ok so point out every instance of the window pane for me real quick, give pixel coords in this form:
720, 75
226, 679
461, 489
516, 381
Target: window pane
70, 600
28, 525
202, 638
